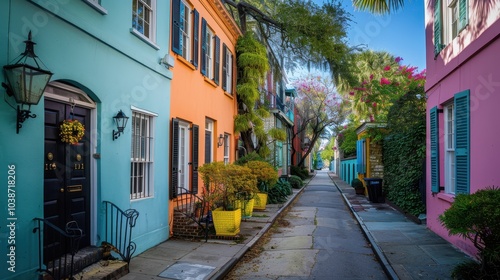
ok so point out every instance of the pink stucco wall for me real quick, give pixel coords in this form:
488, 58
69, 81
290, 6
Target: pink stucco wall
471, 61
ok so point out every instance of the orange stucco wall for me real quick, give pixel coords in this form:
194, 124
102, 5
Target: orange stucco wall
195, 98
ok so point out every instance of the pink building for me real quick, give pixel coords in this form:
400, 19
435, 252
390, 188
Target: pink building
463, 91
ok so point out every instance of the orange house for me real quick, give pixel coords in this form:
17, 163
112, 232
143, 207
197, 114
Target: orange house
203, 92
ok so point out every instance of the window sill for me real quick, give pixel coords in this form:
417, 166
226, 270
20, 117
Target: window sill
185, 62
446, 197
144, 38
228, 94
210, 81
96, 7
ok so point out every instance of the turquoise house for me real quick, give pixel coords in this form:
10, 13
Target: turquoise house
108, 59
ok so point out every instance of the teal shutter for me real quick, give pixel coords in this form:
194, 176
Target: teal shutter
196, 35
195, 141
462, 141
360, 156
203, 67
463, 16
176, 27
438, 45
434, 135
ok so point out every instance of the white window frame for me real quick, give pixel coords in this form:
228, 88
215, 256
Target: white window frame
210, 39
229, 71
142, 155
209, 126
227, 146
450, 13
151, 31
449, 148
184, 156
186, 29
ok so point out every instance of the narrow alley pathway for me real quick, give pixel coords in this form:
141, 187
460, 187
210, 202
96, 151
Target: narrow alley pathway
318, 238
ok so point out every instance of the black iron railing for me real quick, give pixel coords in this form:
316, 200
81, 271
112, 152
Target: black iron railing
118, 234
195, 208
57, 250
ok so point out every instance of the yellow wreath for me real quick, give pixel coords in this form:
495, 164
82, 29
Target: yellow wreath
71, 131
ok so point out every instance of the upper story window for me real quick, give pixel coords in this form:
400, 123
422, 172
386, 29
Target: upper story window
96, 4
185, 31
210, 53
143, 18
450, 17
227, 70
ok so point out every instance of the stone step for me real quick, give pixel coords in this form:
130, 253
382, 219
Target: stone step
104, 270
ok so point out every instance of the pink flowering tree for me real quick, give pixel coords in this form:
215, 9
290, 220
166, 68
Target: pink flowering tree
380, 80
320, 109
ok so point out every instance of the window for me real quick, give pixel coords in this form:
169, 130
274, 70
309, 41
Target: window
141, 155
456, 141
210, 53
96, 4
143, 17
449, 163
226, 148
227, 70
450, 17
185, 21
209, 128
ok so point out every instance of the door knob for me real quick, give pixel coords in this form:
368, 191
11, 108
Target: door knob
53, 165
61, 190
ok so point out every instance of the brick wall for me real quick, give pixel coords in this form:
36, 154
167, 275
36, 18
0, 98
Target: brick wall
375, 158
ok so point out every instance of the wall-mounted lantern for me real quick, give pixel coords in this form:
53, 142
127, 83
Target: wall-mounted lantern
121, 123
25, 82
221, 140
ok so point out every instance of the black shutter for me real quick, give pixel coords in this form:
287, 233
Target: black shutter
208, 146
174, 177
217, 59
196, 35
176, 28
204, 42
195, 145
224, 68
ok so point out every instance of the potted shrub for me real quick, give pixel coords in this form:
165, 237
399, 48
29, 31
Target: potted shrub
224, 184
357, 184
266, 177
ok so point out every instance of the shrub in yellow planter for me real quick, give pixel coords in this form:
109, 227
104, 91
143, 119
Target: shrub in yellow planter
246, 206
260, 201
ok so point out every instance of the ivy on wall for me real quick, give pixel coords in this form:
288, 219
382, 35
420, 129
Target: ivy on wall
404, 152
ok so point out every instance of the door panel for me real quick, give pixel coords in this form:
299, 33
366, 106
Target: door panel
66, 179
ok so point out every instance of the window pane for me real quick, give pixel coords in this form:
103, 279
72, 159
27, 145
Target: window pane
141, 156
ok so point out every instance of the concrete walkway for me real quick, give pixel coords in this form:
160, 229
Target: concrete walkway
405, 249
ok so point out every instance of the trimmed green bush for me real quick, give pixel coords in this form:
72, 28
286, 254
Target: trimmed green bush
298, 171
296, 181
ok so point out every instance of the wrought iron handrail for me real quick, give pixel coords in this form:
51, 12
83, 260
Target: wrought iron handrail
62, 265
118, 233
189, 204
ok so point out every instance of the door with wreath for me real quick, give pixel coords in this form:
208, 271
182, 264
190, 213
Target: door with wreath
67, 174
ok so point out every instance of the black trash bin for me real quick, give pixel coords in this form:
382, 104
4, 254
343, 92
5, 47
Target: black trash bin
374, 186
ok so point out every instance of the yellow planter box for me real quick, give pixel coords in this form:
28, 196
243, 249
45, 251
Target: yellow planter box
226, 223
246, 207
260, 202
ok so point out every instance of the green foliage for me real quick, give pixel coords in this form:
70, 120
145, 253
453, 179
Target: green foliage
265, 173
296, 181
347, 140
328, 153
277, 134
404, 152
357, 184
249, 157
225, 183
279, 192
477, 217
301, 172
379, 6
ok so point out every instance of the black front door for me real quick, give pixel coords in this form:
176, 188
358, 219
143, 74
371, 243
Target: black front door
67, 177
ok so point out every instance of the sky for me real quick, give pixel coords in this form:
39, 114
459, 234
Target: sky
401, 33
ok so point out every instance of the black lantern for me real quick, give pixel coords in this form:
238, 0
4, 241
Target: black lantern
26, 82
121, 122
221, 140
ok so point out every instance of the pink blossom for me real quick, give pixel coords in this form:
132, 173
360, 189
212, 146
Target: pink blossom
398, 59
335, 148
345, 126
372, 119
351, 93
387, 68
374, 104
371, 77
384, 81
